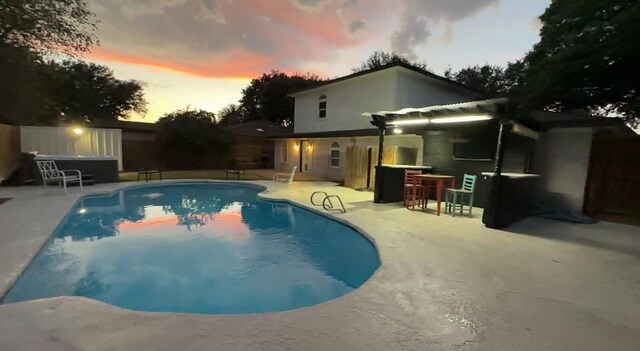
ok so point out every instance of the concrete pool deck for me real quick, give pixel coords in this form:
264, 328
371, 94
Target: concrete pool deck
444, 284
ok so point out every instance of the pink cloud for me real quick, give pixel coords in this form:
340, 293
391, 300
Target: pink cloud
224, 38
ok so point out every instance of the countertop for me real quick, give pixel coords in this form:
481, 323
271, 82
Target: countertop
513, 175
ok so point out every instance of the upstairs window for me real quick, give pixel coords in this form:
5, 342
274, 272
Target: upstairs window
334, 158
322, 106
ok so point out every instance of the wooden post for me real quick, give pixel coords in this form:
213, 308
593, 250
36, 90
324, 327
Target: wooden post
379, 184
505, 128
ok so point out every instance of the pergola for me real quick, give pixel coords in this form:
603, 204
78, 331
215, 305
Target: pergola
466, 112
459, 113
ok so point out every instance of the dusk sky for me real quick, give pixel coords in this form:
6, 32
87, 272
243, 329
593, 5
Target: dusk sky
202, 53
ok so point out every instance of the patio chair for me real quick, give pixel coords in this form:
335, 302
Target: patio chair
285, 177
420, 194
468, 187
51, 173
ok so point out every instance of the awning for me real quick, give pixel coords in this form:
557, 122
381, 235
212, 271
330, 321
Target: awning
452, 113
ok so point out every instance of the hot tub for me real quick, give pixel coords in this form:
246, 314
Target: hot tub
103, 169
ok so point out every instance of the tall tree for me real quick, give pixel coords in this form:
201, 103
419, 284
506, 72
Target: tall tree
380, 58
86, 91
23, 93
587, 59
488, 79
191, 139
48, 25
231, 114
267, 97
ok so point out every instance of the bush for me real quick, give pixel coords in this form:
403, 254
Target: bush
191, 139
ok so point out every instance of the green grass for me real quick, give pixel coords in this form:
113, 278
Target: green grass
202, 174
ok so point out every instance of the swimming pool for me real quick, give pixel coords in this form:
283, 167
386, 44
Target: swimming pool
208, 248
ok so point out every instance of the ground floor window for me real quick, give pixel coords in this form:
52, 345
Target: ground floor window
334, 158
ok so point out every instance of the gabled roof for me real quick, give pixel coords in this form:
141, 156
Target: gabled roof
259, 128
382, 68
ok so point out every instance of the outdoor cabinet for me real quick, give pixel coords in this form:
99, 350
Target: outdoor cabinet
511, 197
389, 185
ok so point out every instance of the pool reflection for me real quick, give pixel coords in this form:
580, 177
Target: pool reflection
199, 248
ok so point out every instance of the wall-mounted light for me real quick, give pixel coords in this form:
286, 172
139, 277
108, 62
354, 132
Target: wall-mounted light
78, 131
309, 147
460, 119
397, 131
82, 211
296, 146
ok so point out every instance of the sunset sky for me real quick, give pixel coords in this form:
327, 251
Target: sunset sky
202, 53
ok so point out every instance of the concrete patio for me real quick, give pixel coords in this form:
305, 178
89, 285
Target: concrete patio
444, 284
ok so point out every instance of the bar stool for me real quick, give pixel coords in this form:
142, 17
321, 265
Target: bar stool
413, 190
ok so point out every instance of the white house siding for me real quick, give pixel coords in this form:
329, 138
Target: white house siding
417, 90
562, 158
346, 101
321, 149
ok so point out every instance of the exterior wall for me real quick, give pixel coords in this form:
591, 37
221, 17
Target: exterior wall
321, 149
390, 89
417, 90
562, 158
62, 141
438, 153
346, 101
9, 149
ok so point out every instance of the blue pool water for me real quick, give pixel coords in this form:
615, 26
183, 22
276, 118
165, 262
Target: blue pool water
197, 248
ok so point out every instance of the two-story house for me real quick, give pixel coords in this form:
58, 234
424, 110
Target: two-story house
328, 116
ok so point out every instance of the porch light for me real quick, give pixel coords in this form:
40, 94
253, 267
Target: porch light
309, 147
397, 131
460, 119
296, 146
78, 131
410, 122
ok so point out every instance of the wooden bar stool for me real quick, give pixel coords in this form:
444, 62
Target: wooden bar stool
414, 191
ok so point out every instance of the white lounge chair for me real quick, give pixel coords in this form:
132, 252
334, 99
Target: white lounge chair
285, 177
51, 173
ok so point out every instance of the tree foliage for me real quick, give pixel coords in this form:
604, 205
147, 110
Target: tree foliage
231, 114
381, 58
48, 26
587, 59
267, 97
84, 91
23, 88
191, 139
491, 80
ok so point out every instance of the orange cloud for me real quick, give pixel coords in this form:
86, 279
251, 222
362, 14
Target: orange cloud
243, 40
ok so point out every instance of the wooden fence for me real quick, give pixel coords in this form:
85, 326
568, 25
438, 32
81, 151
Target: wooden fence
9, 149
361, 162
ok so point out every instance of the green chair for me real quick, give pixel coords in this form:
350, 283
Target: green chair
458, 195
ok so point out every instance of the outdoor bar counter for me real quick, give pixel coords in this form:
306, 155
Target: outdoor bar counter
104, 169
511, 197
390, 182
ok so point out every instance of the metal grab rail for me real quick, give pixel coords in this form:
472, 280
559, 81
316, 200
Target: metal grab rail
327, 204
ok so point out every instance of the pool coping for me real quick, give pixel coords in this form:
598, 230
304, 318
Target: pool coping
260, 195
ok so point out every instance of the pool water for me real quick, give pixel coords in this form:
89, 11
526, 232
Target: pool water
197, 248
